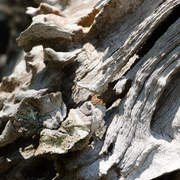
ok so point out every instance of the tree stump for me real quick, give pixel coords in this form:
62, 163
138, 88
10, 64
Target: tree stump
95, 93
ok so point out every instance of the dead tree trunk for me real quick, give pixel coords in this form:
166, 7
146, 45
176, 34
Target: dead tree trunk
95, 94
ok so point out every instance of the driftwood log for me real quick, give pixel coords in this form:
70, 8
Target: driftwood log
94, 93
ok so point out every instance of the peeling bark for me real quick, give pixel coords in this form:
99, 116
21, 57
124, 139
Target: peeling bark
95, 94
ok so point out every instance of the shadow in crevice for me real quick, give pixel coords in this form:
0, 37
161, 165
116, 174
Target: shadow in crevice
169, 176
4, 42
109, 96
159, 31
67, 84
13, 164
4, 36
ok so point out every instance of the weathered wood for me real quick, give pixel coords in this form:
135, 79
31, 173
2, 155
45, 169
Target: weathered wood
96, 93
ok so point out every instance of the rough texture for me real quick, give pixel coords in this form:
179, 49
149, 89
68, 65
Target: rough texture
95, 95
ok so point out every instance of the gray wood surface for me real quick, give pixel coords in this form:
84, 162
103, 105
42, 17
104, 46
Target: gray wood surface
95, 92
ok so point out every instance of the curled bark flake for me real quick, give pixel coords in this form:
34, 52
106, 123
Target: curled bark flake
25, 120
74, 133
52, 110
48, 28
44, 8
34, 60
19, 116
82, 13
19, 77
31, 114
8, 135
59, 59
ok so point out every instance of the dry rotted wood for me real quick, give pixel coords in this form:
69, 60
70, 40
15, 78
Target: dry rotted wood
96, 93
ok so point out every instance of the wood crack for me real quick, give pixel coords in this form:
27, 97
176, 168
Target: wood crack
159, 31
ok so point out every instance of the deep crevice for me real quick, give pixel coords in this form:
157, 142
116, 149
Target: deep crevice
4, 36
110, 96
90, 141
159, 31
169, 176
38, 168
110, 148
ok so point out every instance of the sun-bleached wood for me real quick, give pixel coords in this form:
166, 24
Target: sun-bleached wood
98, 100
